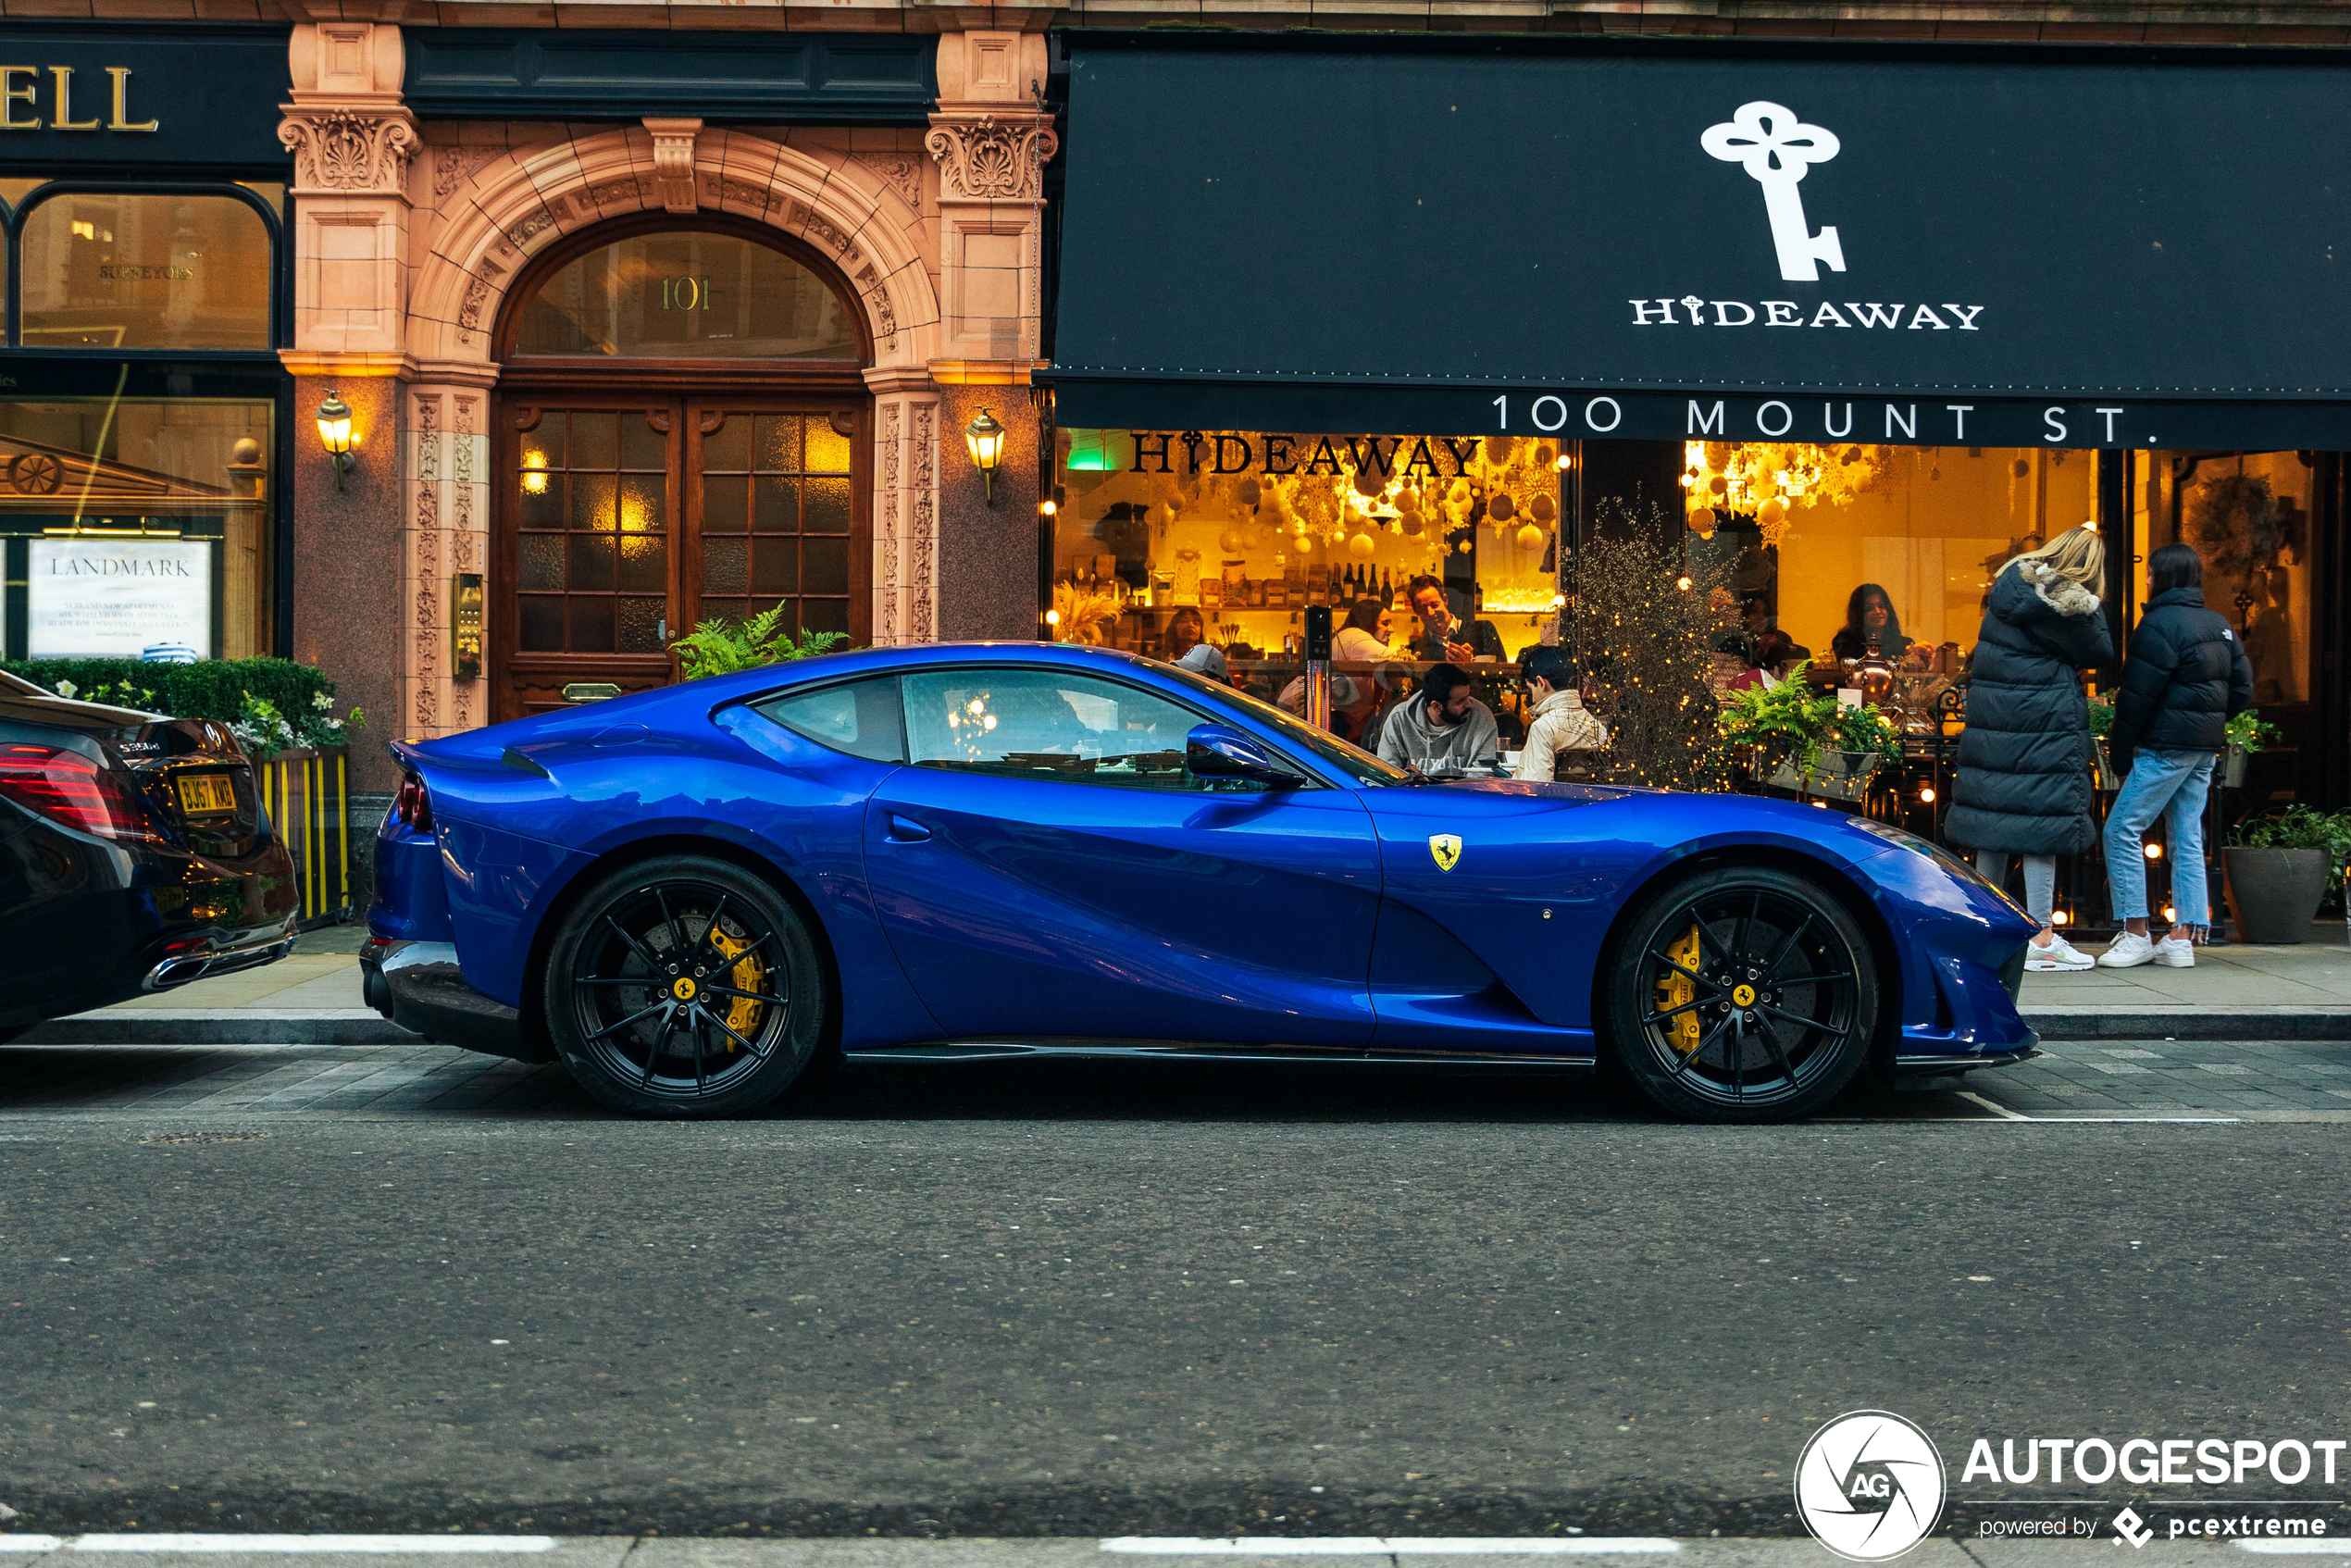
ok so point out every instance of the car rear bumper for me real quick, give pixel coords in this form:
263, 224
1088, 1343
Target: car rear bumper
421, 985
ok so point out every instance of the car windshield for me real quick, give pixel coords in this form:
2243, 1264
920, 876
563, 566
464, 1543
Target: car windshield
1353, 761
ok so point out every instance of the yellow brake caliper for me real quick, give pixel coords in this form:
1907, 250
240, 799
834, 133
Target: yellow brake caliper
1676, 990
750, 974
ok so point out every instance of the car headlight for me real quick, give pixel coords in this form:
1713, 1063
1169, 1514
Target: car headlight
1903, 839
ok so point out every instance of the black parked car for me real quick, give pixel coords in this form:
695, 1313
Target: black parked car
134, 856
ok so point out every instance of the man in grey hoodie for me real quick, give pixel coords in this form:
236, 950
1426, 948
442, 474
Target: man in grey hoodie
1441, 726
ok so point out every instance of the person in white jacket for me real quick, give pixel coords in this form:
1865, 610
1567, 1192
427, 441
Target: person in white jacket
1561, 722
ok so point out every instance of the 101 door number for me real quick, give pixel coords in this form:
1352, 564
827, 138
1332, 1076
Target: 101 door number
685, 293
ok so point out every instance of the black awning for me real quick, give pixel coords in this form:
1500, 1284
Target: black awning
1921, 244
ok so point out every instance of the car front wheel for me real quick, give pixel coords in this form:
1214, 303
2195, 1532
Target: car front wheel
1741, 994
684, 986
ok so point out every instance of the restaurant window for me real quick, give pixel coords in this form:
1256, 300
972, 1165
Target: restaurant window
686, 295
137, 528
105, 270
1913, 535
2247, 515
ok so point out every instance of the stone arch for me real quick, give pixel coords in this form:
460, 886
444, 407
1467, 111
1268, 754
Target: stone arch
524, 200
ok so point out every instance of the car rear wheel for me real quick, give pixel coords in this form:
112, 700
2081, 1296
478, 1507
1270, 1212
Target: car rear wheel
684, 986
1741, 995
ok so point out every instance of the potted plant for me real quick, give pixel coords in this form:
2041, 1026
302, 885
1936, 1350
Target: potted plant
2247, 734
2276, 869
1807, 742
720, 646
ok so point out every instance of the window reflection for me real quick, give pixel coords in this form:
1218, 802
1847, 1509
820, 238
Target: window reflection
145, 271
686, 295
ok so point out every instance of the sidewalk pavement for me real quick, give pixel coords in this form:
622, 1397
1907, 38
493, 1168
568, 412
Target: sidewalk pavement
312, 998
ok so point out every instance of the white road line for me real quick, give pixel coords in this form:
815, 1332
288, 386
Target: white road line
2296, 1548
2008, 1115
434, 1544
2000, 1111
31, 1543
1387, 1546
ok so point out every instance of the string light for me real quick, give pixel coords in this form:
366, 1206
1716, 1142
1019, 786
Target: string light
2155, 851
2061, 918
1926, 796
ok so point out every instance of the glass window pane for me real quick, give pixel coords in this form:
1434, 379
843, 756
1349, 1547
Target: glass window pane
590, 562
644, 502
543, 499
544, 447
644, 563
828, 449
824, 614
542, 624
156, 271
724, 609
859, 718
1047, 726
723, 503
777, 508
726, 567
192, 476
595, 439
686, 295
828, 506
776, 567
591, 628
728, 448
591, 500
640, 626
825, 565
642, 446
778, 444
543, 563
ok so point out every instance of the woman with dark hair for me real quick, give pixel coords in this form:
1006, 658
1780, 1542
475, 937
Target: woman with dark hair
2185, 678
1870, 617
1187, 646
1363, 637
1768, 662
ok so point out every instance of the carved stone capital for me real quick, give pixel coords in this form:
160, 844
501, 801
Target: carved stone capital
988, 159
673, 161
349, 151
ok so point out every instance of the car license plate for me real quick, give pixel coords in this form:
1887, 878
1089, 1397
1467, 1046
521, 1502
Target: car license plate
203, 794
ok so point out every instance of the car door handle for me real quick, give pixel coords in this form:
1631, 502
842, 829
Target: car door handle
905, 831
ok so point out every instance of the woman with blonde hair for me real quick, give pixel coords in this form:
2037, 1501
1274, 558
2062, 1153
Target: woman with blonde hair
2023, 784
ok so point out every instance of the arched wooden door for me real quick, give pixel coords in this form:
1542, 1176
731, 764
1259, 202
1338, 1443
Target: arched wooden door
683, 436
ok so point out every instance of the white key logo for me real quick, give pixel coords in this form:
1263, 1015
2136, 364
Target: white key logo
1777, 148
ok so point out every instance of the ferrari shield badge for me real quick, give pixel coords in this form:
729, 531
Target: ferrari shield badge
1445, 850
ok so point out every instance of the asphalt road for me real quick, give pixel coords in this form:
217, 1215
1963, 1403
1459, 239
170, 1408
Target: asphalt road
1082, 1302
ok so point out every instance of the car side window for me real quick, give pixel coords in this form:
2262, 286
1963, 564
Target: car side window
1051, 725
857, 716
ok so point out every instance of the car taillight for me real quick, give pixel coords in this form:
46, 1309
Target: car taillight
414, 807
70, 790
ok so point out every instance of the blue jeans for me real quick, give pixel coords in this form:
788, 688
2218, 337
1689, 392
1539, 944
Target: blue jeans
2171, 784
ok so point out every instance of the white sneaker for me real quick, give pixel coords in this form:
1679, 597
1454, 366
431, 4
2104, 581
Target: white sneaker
2128, 952
2175, 952
2059, 954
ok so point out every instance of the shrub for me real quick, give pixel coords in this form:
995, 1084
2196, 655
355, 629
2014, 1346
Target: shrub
722, 647
270, 703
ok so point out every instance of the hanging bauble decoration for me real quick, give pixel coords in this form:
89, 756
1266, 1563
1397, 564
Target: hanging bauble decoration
1231, 542
1774, 510
1368, 484
1703, 522
1531, 538
1360, 546
1408, 499
1498, 448
1413, 522
1546, 456
1542, 508
1500, 507
1248, 493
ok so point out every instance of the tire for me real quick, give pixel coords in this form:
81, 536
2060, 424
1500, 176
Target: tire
635, 984
1699, 1009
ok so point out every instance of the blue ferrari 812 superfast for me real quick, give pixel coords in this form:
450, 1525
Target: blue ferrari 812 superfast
694, 896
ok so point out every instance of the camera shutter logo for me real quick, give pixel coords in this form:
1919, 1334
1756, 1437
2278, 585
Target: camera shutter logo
1775, 148
1870, 1486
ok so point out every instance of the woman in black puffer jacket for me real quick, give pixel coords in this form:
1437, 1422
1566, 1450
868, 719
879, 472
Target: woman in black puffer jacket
2185, 678
2023, 785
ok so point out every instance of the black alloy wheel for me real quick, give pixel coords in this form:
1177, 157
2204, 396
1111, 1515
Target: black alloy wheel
684, 986
1741, 995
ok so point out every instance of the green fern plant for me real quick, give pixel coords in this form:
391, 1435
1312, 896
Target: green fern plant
720, 646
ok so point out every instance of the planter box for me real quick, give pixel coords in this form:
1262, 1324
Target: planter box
307, 794
2274, 894
2229, 774
1834, 775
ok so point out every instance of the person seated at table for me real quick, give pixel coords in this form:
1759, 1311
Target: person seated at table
1445, 632
1442, 725
1774, 653
1561, 726
1364, 638
1870, 619
1188, 647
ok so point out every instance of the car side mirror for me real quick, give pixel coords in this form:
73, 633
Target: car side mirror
1216, 751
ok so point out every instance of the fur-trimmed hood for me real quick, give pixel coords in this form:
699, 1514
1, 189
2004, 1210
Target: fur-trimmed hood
2062, 594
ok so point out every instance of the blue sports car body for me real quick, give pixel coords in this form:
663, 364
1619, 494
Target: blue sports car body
993, 849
